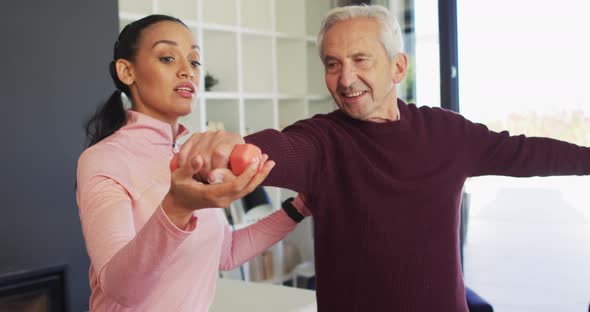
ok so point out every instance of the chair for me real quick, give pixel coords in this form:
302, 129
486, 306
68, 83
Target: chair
475, 303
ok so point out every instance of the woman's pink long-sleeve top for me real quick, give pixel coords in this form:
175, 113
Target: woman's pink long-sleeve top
140, 261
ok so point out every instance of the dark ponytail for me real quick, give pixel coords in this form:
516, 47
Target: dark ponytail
111, 116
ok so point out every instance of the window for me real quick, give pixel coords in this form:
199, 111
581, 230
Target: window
523, 66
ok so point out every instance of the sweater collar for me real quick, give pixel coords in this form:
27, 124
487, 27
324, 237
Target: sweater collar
403, 118
152, 129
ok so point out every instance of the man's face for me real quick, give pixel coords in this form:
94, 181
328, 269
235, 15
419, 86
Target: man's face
359, 74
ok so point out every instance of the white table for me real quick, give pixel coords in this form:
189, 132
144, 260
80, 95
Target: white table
238, 296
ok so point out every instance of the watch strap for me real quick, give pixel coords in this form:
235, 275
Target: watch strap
291, 211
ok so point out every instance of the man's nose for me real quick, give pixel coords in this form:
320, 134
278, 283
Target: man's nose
347, 76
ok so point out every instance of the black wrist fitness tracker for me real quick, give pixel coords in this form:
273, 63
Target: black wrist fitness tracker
291, 210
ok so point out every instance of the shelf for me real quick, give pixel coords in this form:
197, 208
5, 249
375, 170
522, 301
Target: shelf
267, 266
195, 31
278, 281
318, 97
291, 67
290, 17
186, 10
258, 96
128, 17
123, 23
256, 60
320, 106
300, 237
281, 35
257, 32
220, 12
290, 111
314, 13
221, 95
222, 64
315, 71
139, 7
285, 96
285, 193
225, 111
220, 27
257, 14
193, 120
259, 115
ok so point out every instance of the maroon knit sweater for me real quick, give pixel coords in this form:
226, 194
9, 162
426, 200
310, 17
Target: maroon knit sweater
385, 199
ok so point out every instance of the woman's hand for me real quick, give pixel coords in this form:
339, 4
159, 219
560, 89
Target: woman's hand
186, 194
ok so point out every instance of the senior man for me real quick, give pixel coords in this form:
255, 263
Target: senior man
383, 179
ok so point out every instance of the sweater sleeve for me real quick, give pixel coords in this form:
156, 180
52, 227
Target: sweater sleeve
242, 245
297, 153
127, 263
493, 153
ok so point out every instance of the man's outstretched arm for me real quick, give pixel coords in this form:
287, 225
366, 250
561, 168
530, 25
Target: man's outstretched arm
295, 151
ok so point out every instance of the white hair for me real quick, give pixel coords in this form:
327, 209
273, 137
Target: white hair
391, 34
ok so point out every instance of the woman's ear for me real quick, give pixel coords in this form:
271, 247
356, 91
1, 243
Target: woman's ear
399, 67
125, 71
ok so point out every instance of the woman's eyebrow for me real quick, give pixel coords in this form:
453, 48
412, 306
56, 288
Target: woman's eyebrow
170, 42
174, 43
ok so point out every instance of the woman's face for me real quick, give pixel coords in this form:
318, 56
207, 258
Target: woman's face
164, 76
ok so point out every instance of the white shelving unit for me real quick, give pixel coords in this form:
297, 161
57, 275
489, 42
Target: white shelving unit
264, 56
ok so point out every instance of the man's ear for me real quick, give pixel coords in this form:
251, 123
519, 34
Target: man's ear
399, 68
125, 71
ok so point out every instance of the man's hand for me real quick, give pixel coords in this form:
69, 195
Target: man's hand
214, 147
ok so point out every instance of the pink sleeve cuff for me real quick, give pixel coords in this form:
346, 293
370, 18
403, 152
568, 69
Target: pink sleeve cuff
300, 206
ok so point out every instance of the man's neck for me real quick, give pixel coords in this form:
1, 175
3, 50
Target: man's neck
393, 114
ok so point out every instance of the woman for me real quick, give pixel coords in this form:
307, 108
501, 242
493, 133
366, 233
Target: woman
153, 243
